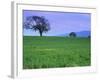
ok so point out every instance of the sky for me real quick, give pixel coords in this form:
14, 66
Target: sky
60, 22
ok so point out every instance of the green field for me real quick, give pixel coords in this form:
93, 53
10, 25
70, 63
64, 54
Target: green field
52, 52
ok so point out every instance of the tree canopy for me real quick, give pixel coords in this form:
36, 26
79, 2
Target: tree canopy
37, 23
72, 34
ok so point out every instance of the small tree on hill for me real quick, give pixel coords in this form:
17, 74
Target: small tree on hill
72, 34
89, 36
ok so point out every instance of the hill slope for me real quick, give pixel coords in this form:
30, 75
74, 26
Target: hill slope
79, 34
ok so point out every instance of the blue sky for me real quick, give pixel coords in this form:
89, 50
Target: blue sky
60, 22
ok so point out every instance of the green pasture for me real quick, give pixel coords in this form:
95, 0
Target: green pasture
53, 52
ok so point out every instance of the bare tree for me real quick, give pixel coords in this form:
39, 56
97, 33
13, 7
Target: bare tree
37, 23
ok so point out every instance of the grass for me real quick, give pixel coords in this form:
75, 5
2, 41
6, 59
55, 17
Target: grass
51, 52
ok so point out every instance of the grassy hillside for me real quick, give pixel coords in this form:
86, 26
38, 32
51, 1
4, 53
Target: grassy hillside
49, 52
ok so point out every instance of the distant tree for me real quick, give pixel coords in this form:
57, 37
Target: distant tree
72, 34
37, 23
89, 36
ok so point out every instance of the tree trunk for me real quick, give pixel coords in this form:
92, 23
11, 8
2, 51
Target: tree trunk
40, 33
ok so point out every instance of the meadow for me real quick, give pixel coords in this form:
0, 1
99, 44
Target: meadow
53, 52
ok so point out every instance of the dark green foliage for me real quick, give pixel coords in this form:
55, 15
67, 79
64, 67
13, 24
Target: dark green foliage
72, 34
